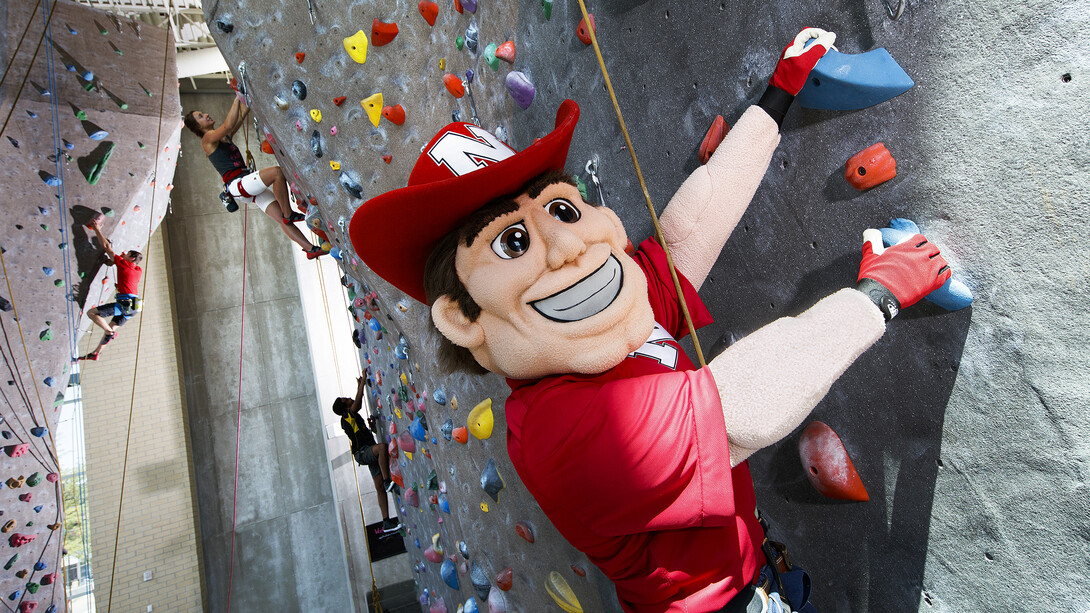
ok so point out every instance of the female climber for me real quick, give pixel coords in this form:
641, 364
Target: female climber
252, 186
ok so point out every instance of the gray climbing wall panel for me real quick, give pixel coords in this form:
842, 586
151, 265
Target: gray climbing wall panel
966, 427
81, 142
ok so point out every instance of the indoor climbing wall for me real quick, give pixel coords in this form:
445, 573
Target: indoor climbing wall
964, 426
81, 130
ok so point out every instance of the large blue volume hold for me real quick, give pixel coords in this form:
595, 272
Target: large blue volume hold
847, 82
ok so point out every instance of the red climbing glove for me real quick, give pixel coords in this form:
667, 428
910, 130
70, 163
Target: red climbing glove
799, 58
899, 276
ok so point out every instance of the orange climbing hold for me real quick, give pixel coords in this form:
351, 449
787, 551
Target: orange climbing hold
583, 32
387, 158
870, 167
506, 52
339, 100
454, 85
525, 531
827, 464
715, 135
395, 114
429, 11
382, 32
299, 57
266, 147
461, 434
458, 7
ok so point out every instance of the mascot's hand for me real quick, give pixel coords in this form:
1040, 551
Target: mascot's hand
799, 58
899, 276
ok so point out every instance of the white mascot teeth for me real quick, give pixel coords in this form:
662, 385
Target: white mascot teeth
590, 296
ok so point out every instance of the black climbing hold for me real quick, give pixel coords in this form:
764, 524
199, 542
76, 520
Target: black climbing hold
299, 89
479, 578
351, 186
316, 143
14, 143
224, 26
5, 305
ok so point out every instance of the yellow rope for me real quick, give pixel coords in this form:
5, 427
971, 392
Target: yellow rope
643, 186
15, 54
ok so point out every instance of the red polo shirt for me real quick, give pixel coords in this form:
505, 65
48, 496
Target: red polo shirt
128, 276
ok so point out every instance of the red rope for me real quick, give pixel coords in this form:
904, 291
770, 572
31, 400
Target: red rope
238, 428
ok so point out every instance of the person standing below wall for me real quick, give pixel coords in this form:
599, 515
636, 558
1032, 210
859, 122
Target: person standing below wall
366, 451
266, 188
127, 301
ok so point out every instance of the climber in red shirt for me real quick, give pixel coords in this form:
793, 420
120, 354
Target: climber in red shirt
126, 301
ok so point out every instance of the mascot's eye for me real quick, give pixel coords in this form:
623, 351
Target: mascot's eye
512, 242
562, 210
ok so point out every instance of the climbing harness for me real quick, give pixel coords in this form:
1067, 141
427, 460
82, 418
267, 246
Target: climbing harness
646, 195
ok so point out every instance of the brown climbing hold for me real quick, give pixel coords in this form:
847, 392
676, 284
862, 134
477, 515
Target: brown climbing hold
382, 32
506, 52
299, 57
266, 147
8, 527
827, 464
429, 11
461, 434
454, 85
869, 167
395, 114
504, 579
583, 32
387, 158
339, 100
525, 531
715, 135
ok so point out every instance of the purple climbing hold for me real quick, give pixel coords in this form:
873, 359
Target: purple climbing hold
520, 88
470, 5
491, 481
40, 566
449, 574
469, 76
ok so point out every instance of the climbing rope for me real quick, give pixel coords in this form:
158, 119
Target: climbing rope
140, 327
238, 424
33, 59
646, 195
20, 45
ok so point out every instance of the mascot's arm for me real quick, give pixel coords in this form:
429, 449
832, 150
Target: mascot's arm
770, 380
704, 211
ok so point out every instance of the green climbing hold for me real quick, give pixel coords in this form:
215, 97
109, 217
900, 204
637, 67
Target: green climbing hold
547, 8
107, 211
11, 562
32, 587
146, 91
460, 42
81, 115
116, 50
59, 283
82, 274
92, 164
582, 187
44, 226
46, 335
34, 479
142, 145
490, 56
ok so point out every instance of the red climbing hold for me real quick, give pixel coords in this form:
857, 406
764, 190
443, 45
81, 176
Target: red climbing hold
429, 11
869, 167
339, 100
458, 7
15, 451
827, 464
715, 135
266, 147
395, 114
582, 32
299, 57
525, 531
579, 570
506, 52
504, 579
18, 540
27, 606
387, 158
382, 32
454, 85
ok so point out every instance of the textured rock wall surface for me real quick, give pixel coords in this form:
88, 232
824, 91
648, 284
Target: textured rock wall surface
52, 265
967, 428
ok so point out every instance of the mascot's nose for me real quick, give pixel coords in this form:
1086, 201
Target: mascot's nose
561, 244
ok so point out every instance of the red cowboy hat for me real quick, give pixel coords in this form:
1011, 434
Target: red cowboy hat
462, 169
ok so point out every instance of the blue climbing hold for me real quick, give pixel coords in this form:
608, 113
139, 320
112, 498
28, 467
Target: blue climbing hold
15, 595
847, 82
374, 325
401, 351
416, 542
50, 179
953, 294
99, 135
48, 271
470, 606
449, 574
38, 509
444, 504
439, 396
463, 549
40, 566
49, 381
447, 429
417, 430
43, 210
39, 431
434, 441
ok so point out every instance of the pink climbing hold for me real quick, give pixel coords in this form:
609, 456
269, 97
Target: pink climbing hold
439, 606
27, 606
827, 464
433, 556
52, 477
26, 497
15, 451
48, 579
412, 498
407, 443
496, 603
18, 540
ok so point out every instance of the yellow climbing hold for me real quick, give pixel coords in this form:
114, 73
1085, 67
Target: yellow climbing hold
337, 166
397, 412
484, 507
356, 46
408, 454
404, 379
316, 115
442, 63
454, 403
373, 106
480, 419
562, 593
436, 545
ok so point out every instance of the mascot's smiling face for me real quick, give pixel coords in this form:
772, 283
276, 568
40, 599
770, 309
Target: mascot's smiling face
557, 292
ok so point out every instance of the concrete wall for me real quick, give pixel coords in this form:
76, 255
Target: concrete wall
289, 554
966, 427
158, 523
50, 262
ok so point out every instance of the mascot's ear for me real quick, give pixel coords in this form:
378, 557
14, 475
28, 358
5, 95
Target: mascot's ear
453, 324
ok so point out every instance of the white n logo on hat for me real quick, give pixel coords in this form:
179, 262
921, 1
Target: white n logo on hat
462, 154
